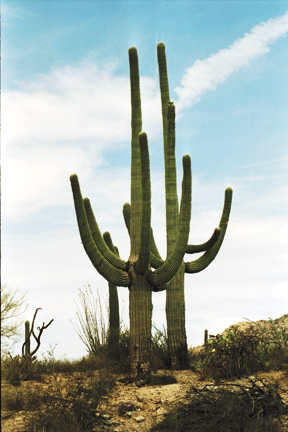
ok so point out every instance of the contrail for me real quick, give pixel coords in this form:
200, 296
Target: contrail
209, 73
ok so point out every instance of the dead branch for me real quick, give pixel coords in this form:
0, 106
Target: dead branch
37, 338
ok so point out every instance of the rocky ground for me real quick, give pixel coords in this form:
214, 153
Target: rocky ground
129, 408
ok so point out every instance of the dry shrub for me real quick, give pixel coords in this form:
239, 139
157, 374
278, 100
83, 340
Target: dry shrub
20, 368
67, 404
254, 407
238, 352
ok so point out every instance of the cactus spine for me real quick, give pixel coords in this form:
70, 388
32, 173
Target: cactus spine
27, 339
136, 273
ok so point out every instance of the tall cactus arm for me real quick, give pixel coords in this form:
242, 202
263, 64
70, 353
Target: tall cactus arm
108, 271
203, 262
170, 267
164, 89
127, 215
99, 241
155, 258
204, 246
136, 128
144, 250
168, 120
172, 209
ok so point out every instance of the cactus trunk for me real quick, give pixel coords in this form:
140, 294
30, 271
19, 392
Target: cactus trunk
114, 321
27, 339
140, 314
175, 316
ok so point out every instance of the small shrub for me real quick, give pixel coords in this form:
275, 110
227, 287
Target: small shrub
254, 407
275, 336
19, 368
20, 399
235, 353
69, 404
159, 350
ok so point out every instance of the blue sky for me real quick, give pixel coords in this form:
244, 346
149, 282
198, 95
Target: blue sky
66, 109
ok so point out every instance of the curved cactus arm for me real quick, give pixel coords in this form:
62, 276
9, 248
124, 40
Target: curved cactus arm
154, 249
170, 267
127, 215
155, 262
109, 243
155, 258
203, 262
204, 246
114, 318
108, 271
99, 241
144, 250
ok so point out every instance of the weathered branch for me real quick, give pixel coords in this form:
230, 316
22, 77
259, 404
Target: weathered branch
37, 338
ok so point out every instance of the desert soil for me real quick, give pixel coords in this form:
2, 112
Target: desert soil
152, 402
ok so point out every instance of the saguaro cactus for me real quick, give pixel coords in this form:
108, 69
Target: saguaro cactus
136, 273
175, 303
27, 338
175, 298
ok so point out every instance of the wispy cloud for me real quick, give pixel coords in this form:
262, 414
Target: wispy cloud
208, 74
63, 120
69, 104
10, 13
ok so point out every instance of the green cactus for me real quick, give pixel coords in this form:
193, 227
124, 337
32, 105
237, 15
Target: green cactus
175, 300
114, 318
136, 273
205, 337
27, 339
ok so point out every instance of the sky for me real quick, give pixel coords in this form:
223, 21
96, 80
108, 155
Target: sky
66, 109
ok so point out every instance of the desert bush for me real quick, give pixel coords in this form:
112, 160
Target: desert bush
92, 330
10, 311
238, 352
65, 404
159, 350
275, 336
18, 368
17, 399
236, 408
232, 355
94, 334
70, 405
